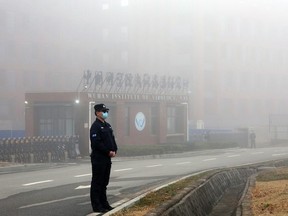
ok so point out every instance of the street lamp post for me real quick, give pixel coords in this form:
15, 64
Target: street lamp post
187, 120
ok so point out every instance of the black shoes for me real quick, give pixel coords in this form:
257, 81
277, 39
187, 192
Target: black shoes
108, 207
100, 210
103, 209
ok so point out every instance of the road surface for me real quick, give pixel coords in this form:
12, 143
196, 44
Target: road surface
64, 189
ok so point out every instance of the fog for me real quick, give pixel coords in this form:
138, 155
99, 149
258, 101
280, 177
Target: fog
233, 52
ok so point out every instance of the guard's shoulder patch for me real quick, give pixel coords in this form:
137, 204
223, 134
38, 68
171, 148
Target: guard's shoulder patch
94, 135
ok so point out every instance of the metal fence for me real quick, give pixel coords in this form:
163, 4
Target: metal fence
39, 149
278, 127
238, 136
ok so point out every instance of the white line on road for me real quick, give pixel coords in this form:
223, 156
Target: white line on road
182, 163
156, 165
254, 153
275, 155
83, 175
233, 155
278, 150
82, 187
246, 164
209, 159
39, 182
121, 170
84, 203
54, 201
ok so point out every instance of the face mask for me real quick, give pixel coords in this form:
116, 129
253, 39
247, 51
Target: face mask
105, 115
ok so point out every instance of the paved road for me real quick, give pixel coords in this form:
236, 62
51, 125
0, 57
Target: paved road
64, 189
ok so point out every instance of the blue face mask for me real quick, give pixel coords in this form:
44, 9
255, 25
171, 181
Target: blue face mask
105, 115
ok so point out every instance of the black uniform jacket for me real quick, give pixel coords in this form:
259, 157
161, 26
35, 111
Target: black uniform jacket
102, 140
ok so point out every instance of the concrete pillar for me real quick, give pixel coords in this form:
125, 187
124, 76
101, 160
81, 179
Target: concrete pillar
49, 157
162, 123
197, 89
13, 158
31, 158
66, 156
119, 119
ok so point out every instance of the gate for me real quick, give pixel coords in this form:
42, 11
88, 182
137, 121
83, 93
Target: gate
278, 128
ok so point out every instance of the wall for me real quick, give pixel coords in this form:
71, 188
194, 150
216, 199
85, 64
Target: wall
202, 198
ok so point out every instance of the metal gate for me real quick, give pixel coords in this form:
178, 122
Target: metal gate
278, 127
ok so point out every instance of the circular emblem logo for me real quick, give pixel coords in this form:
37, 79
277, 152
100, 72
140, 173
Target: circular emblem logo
140, 121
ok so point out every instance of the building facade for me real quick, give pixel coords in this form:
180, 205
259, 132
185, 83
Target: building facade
136, 119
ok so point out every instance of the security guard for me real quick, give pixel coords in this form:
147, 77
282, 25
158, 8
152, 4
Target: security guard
103, 147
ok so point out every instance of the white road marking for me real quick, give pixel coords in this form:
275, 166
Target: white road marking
278, 150
209, 159
275, 155
83, 175
84, 203
94, 214
121, 170
156, 165
39, 182
246, 164
233, 155
182, 163
54, 201
254, 153
82, 187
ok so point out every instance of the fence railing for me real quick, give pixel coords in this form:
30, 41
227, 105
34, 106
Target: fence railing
39, 149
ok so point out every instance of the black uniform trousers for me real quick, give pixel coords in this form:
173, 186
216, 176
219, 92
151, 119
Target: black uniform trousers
100, 180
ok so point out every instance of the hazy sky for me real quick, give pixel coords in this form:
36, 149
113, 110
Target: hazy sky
241, 42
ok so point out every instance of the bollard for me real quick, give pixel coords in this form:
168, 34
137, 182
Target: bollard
66, 156
31, 158
13, 158
49, 157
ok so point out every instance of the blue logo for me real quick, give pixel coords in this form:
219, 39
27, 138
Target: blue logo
140, 121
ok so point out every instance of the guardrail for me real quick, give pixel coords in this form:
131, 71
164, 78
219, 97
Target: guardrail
41, 149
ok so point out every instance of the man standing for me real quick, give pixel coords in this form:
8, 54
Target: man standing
103, 147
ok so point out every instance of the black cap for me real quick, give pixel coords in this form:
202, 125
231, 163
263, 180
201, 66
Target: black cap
100, 107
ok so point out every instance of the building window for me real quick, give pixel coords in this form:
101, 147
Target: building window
45, 127
171, 120
176, 115
55, 120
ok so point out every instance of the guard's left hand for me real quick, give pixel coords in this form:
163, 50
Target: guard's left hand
112, 154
